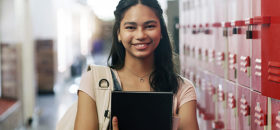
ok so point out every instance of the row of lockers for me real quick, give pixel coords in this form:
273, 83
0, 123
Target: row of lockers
223, 104
229, 49
243, 50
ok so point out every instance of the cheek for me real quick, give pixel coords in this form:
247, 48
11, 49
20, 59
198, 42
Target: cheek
156, 36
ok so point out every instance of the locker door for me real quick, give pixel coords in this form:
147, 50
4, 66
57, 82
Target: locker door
219, 49
232, 51
270, 48
205, 121
211, 50
207, 105
243, 53
244, 107
275, 114
219, 123
231, 103
258, 111
255, 31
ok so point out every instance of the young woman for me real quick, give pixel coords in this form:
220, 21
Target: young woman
141, 60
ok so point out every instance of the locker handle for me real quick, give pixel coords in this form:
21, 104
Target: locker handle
262, 20
221, 96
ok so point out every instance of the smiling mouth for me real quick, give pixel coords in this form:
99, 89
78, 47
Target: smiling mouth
141, 46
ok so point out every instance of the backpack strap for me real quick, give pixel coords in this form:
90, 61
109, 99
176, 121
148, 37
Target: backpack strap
103, 86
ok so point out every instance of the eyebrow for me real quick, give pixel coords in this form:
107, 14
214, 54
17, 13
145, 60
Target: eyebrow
134, 23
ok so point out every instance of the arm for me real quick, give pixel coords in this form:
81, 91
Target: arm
187, 114
86, 118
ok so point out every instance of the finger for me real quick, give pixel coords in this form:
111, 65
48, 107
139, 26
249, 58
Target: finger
115, 123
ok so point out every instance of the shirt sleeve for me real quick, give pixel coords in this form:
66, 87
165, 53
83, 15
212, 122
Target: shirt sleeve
87, 84
186, 92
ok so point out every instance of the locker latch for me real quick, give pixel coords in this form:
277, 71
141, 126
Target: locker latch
249, 32
231, 100
244, 107
260, 116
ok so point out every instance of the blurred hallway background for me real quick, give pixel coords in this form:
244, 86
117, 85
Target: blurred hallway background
45, 46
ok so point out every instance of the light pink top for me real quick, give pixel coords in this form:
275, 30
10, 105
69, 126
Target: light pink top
186, 91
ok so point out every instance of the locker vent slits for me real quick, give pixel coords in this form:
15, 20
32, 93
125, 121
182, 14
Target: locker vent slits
274, 71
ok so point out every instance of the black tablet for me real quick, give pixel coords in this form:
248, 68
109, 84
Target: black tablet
142, 110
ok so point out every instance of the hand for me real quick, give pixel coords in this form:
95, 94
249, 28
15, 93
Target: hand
115, 123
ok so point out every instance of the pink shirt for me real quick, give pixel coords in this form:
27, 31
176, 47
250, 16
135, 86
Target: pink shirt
186, 91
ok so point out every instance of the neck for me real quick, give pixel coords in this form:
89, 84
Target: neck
139, 66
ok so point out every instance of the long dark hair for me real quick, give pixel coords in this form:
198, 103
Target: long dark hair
164, 77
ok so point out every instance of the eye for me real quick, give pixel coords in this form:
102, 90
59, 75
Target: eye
150, 26
130, 27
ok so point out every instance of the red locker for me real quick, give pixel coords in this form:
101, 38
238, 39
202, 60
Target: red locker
254, 33
231, 105
219, 123
244, 107
232, 51
270, 19
219, 49
207, 102
275, 114
258, 111
243, 53
211, 50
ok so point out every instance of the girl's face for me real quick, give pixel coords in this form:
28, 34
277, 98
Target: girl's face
140, 31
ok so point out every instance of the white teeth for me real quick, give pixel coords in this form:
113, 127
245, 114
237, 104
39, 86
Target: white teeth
140, 45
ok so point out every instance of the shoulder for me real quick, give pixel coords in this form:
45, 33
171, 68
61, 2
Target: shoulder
185, 83
186, 91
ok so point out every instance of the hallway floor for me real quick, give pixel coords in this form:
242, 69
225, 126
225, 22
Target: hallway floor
50, 108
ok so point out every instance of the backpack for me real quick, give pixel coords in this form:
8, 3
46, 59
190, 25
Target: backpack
103, 85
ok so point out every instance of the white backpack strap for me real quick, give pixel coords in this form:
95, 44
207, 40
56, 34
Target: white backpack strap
103, 87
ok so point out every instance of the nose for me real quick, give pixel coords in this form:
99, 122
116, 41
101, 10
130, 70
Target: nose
140, 34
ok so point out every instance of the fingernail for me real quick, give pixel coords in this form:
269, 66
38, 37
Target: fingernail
114, 118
